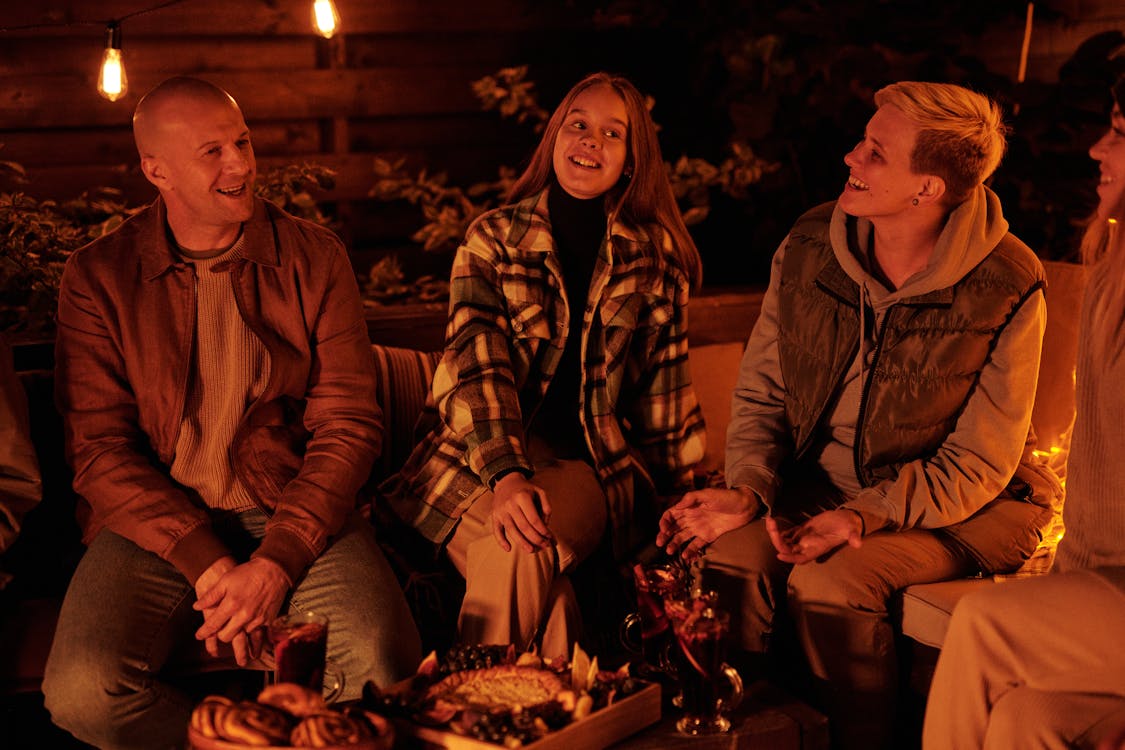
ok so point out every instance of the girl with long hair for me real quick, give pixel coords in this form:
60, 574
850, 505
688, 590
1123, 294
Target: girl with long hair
562, 404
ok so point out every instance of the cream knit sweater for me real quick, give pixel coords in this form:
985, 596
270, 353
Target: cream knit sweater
1094, 512
230, 369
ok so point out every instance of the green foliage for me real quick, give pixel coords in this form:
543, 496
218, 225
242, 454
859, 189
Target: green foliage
38, 235
293, 186
512, 95
449, 210
36, 238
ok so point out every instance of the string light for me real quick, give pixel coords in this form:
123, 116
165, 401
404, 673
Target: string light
112, 82
326, 20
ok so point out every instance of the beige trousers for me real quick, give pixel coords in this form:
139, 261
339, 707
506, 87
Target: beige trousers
521, 598
839, 609
1035, 663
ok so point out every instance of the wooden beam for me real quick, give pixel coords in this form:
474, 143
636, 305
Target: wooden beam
284, 17
51, 101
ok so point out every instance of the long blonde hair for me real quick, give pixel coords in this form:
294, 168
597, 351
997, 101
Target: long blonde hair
643, 196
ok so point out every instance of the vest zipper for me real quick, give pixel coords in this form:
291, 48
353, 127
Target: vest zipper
866, 392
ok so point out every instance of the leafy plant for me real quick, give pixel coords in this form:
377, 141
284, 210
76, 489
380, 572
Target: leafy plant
447, 211
38, 235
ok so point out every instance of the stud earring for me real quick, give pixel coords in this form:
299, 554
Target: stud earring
915, 201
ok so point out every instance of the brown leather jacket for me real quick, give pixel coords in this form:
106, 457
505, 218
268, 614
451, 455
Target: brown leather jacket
126, 327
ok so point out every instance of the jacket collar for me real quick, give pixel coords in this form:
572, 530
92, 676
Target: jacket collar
158, 254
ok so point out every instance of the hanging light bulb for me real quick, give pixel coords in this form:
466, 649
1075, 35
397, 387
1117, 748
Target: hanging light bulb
112, 83
326, 20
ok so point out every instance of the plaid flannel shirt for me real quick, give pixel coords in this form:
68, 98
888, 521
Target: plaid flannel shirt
507, 328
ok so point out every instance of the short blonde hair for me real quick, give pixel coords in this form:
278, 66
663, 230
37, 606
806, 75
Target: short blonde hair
962, 134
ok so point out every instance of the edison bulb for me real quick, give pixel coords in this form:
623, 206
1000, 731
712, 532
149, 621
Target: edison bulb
326, 20
112, 82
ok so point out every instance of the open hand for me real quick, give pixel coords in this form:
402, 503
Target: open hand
703, 516
815, 537
520, 514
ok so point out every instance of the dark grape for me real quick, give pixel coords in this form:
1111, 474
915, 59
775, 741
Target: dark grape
473, 656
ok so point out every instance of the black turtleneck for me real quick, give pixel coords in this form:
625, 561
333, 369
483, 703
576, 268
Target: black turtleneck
577, 227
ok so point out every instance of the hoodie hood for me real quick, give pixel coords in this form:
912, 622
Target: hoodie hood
971, 232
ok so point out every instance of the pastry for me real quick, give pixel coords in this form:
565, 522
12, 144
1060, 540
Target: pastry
206, 716
503, 686
328, 729
255, 725
296, 700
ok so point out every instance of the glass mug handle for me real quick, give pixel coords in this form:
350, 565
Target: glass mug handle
735, 679
630, 633
334, 681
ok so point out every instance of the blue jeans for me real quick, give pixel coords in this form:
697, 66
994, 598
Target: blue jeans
128, 613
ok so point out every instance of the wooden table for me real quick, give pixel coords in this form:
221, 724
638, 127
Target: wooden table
768, 719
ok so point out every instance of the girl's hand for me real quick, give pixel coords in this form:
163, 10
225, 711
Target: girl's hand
520, 514
703, 516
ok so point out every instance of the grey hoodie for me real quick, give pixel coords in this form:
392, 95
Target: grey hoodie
972, 466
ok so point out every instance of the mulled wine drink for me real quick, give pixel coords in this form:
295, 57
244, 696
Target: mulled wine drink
702, 638
677, 608
654, 583
300, 644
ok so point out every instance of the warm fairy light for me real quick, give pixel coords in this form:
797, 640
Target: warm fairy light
326, 20
1026, 43
112, 83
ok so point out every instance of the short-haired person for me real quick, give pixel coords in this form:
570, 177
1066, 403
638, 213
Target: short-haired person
217, 388
1040, 663
563, 395
882, 406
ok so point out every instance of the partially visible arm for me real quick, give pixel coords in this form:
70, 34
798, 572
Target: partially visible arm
475, 386
665, 420
114, 468
758, 439
20, 484
979, 457
344, 425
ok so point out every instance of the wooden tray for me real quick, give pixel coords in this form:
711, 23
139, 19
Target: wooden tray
600, 729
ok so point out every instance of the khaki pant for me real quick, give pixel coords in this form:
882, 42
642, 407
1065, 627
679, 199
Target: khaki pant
839, 609
521, 598
1037, 663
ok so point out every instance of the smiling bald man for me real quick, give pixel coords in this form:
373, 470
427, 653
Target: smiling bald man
216, 383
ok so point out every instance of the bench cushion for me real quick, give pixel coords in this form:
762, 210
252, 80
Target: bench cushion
926, 607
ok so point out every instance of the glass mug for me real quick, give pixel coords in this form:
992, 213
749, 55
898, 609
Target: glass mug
653, 583
702, 638
678, 607
300, 650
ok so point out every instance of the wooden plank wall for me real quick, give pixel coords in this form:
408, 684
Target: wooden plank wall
396, 82
1058, 28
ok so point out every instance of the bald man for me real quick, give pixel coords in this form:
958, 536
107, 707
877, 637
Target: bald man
216, 382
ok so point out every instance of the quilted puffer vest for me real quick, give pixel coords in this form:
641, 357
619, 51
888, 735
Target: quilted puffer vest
928, 355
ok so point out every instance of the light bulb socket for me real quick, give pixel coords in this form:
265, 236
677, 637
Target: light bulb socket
113, 35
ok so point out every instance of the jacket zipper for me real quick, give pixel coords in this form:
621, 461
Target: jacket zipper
866, 392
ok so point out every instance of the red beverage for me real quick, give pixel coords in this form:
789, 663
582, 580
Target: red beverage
703, 643
702, 637
300, 645
654, 584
